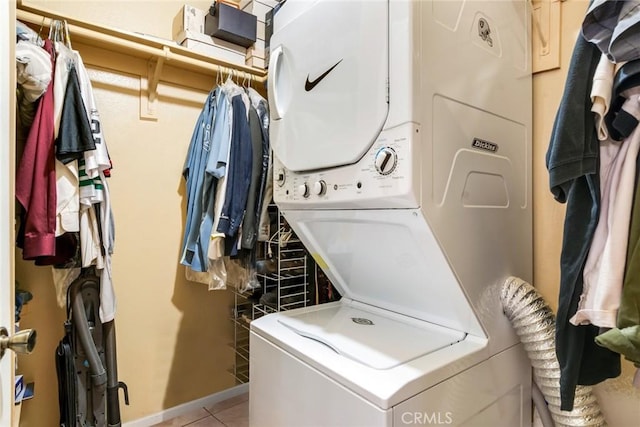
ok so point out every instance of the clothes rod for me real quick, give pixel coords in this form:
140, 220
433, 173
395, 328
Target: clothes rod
137, 45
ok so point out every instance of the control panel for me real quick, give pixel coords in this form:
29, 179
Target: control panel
386, 160
386, 176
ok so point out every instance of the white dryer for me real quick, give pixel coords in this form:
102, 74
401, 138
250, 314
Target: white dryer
401, 133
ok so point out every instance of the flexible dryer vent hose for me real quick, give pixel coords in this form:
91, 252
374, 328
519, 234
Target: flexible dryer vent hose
535, 324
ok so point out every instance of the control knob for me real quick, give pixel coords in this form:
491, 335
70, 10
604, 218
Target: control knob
386, 160
304, 190
280, 177
320, 187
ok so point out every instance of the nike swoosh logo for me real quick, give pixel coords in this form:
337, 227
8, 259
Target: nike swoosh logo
309, 85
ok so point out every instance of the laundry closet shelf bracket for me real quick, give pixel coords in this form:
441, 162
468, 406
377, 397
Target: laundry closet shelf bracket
545, 37
149, 86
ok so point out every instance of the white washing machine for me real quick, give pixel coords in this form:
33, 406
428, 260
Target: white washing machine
402, 156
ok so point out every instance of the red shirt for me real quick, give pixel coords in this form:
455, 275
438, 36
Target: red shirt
36, 179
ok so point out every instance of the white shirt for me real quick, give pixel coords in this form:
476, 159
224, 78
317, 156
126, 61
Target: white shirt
604, 268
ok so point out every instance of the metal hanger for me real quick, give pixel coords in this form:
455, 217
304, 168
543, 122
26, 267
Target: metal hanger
59, 32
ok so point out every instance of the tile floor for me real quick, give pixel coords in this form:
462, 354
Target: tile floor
233, 412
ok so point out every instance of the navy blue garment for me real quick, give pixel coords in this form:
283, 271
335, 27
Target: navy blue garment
574, 147
572, 161
263, 114
251, 219
75, 135
238, 173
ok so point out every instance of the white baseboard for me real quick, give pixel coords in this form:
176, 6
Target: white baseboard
187, 407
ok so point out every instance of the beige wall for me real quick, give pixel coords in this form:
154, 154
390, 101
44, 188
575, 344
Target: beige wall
172, 335
620, 402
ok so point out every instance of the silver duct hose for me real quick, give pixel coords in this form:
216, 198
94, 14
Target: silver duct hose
535, 324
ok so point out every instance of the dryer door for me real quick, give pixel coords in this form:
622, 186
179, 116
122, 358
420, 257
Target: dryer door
327, 82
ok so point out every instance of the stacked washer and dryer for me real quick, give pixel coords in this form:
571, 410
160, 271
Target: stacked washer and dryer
401, 133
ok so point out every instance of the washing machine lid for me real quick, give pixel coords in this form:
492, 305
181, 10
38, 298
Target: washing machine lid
328, 82
379, 341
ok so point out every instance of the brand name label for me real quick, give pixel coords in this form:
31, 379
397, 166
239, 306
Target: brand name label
484, 145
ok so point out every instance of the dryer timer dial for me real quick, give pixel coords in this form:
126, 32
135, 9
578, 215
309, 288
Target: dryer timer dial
386, 160
303, 189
